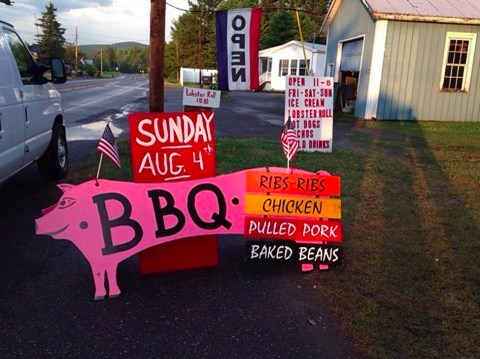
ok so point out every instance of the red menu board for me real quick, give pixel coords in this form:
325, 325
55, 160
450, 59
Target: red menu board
169, 147
172, 146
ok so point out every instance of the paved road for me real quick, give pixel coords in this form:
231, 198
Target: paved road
238, 310
89, 104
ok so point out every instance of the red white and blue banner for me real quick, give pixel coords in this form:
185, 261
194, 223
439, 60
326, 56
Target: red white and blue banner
238, 38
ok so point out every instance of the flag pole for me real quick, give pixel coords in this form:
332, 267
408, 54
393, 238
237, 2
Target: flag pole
303, 44
100, 164
288, 159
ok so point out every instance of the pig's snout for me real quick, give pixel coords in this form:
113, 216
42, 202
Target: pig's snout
40, 229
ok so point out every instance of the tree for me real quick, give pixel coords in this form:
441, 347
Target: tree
193, 33
69, 55
281, 29
110, 58
279, 24
134, 60
185, 33
171, 61
50, 41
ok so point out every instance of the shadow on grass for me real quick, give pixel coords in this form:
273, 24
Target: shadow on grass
410, 285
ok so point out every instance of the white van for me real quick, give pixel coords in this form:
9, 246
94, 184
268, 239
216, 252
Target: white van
31, 113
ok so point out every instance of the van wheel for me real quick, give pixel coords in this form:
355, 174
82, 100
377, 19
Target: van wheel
53, 165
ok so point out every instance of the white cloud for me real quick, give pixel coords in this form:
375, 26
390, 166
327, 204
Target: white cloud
97, 22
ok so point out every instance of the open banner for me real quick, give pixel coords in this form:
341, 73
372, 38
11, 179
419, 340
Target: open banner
238, 39
110, 221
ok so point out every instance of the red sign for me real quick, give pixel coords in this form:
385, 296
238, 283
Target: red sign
289, 183
172, 146
169, 147
301, 230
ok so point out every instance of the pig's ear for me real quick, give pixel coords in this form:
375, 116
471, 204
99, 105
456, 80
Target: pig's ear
65, 187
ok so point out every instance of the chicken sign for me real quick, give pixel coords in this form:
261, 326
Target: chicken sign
109, 221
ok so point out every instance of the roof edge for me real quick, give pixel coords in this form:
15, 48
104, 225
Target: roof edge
329, 17
417, 18
296, 43
332, 11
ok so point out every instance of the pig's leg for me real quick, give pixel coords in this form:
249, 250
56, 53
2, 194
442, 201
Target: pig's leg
99, 280
114, 290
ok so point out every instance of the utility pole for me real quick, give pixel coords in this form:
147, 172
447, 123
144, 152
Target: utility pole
76, 52
101, 62
157, 50
36, 23
200, 51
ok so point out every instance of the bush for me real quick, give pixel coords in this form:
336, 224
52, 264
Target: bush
90, 69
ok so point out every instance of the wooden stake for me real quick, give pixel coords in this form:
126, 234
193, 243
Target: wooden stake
301, 40
100, 164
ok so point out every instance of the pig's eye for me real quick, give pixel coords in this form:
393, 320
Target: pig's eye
66, 202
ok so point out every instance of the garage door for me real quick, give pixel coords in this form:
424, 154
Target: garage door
351, 55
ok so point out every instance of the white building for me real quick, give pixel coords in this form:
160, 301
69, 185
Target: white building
192, 76
288, 59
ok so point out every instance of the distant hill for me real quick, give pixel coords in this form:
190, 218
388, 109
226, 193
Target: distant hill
94, 49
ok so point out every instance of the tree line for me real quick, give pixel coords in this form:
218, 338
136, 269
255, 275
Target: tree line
51, 43
193, 42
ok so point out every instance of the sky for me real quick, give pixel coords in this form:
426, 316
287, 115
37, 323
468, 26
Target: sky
97, 21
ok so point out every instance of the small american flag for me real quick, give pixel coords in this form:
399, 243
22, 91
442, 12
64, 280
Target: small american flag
108, 145
289, 139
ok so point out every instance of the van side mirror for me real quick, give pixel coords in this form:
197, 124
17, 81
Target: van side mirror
59, 71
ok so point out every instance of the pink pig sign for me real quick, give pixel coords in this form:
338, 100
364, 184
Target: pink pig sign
109, 221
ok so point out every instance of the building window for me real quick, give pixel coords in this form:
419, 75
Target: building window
283, 68
330, 69
457, 61
293, 67
303, 70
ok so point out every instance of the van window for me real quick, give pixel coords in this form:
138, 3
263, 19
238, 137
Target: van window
6, 74
22, 56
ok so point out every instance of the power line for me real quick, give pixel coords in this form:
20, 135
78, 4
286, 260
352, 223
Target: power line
112, 37
184, 10
263, 8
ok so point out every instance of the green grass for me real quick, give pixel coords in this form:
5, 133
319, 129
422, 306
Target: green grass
410, 283
110, 74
